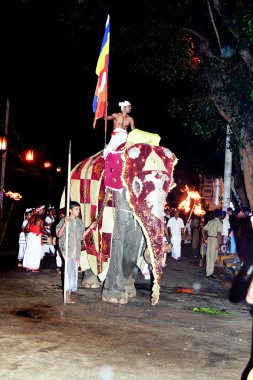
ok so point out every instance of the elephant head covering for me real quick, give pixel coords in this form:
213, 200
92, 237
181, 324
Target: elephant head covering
148, 178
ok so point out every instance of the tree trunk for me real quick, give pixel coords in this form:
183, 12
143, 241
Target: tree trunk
239, 182
247, 156
236, 117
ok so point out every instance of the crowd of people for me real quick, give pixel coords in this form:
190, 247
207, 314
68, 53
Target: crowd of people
217, 232
43, 233
37, 237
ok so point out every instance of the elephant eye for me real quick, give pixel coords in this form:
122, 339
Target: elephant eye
137, 187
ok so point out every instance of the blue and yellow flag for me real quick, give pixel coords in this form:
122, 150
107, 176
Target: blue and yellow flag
100, 99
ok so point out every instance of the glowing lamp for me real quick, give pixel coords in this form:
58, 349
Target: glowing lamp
47, 164
3, 143
29, 155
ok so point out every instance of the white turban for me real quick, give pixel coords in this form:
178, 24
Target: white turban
39, 209
124, 104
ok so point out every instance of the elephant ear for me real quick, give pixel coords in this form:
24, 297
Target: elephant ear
148, 177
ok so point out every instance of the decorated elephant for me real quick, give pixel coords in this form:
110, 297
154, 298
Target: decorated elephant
125, 194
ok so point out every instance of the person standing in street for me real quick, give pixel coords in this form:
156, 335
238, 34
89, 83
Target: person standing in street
23, 237
34, 248
233, 225
76, 234
225, 234
195, 230
212, 236
48, 242
176, 235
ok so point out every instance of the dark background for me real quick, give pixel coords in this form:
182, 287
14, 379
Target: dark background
48, 74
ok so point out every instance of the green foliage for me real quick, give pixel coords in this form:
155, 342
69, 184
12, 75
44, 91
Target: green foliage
209, 310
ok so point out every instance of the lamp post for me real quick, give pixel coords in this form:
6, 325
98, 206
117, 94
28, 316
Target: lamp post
3, 151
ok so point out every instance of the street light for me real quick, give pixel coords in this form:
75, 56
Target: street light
29, 155
47, 165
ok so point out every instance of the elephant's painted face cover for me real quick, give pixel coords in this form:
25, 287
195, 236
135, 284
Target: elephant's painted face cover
148, 177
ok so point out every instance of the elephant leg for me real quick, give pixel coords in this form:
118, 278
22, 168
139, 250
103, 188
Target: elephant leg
89, 280
113, 290
131, 250
119, 283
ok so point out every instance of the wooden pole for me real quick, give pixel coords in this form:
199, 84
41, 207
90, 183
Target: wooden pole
105, 118
67, 225
6, 127
188, 218
5, 225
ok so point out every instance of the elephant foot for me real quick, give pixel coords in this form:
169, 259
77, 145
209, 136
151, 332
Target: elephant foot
129, 288
90, 286
90, 281
111, 297
130, 291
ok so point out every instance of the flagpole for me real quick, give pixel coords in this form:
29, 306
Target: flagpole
106, 113
67, 224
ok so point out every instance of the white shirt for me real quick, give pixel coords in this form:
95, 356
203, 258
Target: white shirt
225, 227
176, 226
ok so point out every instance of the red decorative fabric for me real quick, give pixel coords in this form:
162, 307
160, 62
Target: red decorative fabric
113, 170
140, 183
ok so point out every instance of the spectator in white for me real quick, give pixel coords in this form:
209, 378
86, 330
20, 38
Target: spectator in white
23, 236
176, 235
34, 249
166, 238
121, 122
225, 232
49, 245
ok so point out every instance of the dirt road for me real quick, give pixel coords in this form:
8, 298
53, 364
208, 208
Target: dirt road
43, 339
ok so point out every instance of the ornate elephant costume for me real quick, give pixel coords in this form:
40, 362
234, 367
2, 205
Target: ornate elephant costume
125, 193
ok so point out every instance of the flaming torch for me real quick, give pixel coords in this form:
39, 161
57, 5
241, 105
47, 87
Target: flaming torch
191, 203
14, 197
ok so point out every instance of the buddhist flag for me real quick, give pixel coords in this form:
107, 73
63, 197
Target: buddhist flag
100, 98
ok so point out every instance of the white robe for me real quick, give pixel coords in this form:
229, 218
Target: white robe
118, 137
33, 252
22, 242
176, 226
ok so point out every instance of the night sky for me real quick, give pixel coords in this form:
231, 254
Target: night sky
51, 84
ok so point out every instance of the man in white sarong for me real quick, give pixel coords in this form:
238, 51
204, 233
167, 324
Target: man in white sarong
176, 232
34, 248
22, 236
121, 122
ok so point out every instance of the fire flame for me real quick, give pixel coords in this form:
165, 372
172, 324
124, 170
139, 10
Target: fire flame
192, 202
14, 196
